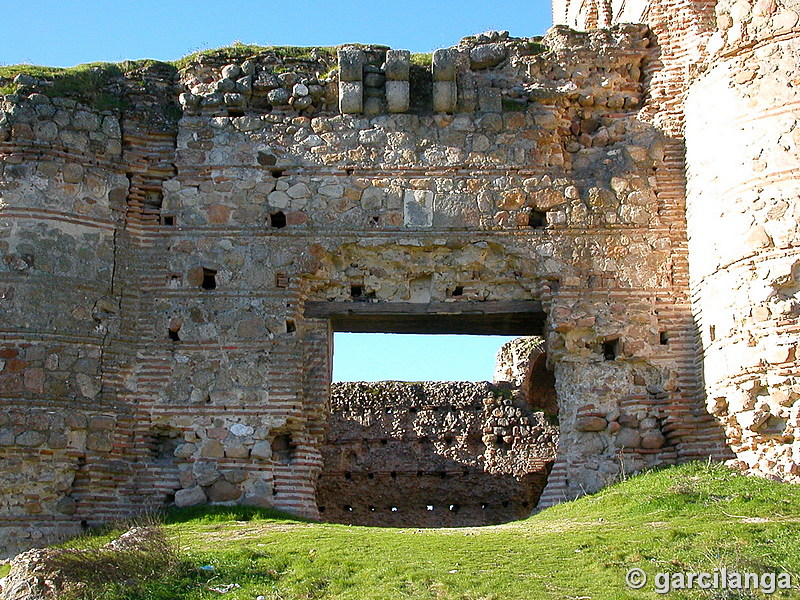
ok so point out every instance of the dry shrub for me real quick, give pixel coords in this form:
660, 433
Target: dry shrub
139, 555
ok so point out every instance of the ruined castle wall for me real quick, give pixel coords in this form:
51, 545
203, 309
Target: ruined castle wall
63, 195
433, 454
742, 137
515, 360
517, 175
522, 363
592, 14
379, 203
680, 30
724, 74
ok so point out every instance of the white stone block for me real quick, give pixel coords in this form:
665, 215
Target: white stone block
398, 96
351, 97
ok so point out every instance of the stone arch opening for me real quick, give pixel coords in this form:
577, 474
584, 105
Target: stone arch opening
438, 454
523, 364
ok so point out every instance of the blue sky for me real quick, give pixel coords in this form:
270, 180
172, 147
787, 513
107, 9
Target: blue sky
64, 33
381, 356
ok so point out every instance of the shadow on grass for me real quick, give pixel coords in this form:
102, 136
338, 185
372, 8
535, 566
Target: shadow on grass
219, 514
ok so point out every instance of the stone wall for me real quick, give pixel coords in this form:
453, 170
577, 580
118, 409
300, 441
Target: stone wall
159, 258
523, 364
725, 75
680, 31
432, 455
742, 165
63, 205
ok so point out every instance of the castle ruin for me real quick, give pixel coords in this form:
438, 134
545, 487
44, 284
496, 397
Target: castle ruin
178, 246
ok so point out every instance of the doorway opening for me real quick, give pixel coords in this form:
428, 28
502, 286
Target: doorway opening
407, 450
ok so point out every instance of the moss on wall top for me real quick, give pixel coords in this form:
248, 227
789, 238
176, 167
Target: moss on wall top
91, 83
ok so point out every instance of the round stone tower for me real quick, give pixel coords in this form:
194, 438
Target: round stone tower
742, 129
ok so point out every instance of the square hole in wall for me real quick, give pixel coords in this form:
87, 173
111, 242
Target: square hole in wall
277, 220
209, 279
283, 448
162, 444
360, 293
537, 219
611, 349
168, 220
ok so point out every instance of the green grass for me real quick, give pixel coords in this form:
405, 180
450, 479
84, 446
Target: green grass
86, 83
7, 75
235, 51
244, 51
535, 47
422, 59
690, 518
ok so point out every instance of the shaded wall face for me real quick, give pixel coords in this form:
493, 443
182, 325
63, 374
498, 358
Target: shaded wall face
58, 313
432, 455
742, 138
551, 188
539, 387
522, 363
725, 74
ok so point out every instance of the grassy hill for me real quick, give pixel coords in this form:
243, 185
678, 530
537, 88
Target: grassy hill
690, 518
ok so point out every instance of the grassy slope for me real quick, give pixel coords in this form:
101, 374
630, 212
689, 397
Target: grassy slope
689, 518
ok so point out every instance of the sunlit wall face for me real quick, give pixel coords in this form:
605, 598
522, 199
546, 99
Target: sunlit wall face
407, 357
